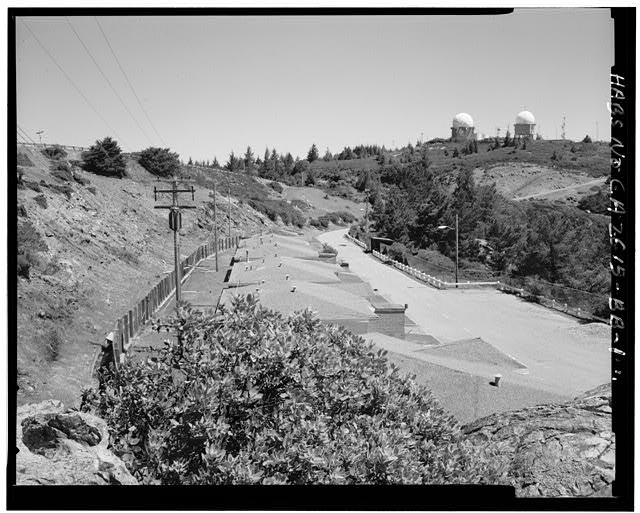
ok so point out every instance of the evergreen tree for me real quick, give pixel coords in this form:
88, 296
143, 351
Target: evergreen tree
327, 156
105, 158
233, 164
313, 154
215, 164
507, 140
249, 160
190, 162
288, 164
160, 161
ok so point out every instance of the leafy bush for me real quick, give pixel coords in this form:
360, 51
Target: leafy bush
302, 205
160, 161
105, 158
41, 200
275, 209
328, 249
54, 152
62, 171
250, 397
596, 203
276, 187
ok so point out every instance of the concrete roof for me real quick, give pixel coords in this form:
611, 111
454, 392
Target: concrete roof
274, 244
275, 270
328, 301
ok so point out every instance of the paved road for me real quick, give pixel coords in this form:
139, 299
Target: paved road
599, 181
562, 355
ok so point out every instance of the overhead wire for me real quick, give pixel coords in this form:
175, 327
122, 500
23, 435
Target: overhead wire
107, 79
128, 81
25, 134
73, 83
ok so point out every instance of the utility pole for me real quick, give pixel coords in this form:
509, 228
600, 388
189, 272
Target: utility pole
229, 213
175, 223
215, 225
596, 130
456, 250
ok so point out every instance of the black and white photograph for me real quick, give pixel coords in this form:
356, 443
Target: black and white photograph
321, 258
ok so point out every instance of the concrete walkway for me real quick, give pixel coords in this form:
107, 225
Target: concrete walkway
562, 356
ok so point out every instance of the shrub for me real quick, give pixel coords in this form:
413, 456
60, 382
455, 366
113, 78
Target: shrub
276, 187
92, 190
22, 159
251, 397
328, 249
33, 186
62, 171
54, 152
586, 139
29, 240
41, 200
160, 161
105, 158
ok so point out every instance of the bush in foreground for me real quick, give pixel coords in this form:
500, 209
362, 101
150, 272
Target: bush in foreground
105, 158
160, 161
251, 397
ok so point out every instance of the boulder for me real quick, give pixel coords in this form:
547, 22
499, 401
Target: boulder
63, 447
553, 450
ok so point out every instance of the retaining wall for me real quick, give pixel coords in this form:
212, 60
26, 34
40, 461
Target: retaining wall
130, 324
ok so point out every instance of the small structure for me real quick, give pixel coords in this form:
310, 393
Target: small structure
375, 243
525, 125
462, 128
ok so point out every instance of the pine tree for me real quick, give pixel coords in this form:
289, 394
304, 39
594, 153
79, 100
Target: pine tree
105, 158
190, 162
313, 154
249, 160
327, 156
215, 164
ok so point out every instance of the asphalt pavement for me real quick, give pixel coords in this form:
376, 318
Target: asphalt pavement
561, 355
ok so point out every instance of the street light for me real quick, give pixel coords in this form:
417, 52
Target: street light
445, 227
40, 132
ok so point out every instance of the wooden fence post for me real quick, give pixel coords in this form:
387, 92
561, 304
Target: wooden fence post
125, 332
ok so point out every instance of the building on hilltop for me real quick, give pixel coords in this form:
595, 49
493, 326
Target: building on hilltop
525, 125
462, 128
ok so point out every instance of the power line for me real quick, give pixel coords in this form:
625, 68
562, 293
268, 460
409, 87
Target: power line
107, 80
72, 82
128, 82
25, 134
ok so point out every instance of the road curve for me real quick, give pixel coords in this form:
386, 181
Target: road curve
562, 355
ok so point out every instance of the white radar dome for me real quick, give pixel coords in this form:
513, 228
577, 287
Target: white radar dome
462, 120
525, 118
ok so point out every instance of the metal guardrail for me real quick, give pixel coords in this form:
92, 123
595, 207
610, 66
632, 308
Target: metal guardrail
44, 145
131, 323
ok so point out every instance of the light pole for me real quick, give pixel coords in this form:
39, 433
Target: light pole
40, 132
445, 227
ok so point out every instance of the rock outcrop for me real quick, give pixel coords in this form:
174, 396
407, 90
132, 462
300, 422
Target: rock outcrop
58, 447
554, 450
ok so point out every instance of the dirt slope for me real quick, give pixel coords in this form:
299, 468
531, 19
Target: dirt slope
520, 181
95, 249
